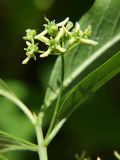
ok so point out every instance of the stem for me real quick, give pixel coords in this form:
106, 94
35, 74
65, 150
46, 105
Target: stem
54, 132
21, 105
42, 149
59, 97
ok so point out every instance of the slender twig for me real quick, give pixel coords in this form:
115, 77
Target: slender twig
18, 148
59, 97
54, 132
20, 104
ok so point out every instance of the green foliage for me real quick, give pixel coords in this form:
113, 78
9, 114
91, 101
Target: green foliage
81, 60
4, 87
7, 93
13, 115
9, 142
90, 84
12, 120
2, 157
80, 72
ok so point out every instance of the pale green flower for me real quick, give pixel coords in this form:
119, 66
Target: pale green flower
58, 38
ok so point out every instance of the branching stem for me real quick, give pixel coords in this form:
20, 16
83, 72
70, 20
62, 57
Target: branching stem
54, 132
42, 149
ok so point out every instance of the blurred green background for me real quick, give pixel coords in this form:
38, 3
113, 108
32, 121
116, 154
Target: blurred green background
95, 127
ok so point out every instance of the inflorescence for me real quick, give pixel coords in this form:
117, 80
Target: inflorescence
58, 38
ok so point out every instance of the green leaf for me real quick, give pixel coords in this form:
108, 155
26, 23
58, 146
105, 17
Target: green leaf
11, 117
89, 85
83, 90
9, 142
2, 157
82, 60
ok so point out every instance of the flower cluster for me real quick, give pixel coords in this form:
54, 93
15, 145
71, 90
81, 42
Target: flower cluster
58, 38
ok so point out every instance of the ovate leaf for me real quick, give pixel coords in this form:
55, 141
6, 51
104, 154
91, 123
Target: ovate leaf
9, 142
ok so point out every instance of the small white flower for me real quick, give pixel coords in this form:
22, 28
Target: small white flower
58, 38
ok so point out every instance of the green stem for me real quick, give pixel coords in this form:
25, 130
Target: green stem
21, 105
42, 149
59, 98
54, 132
